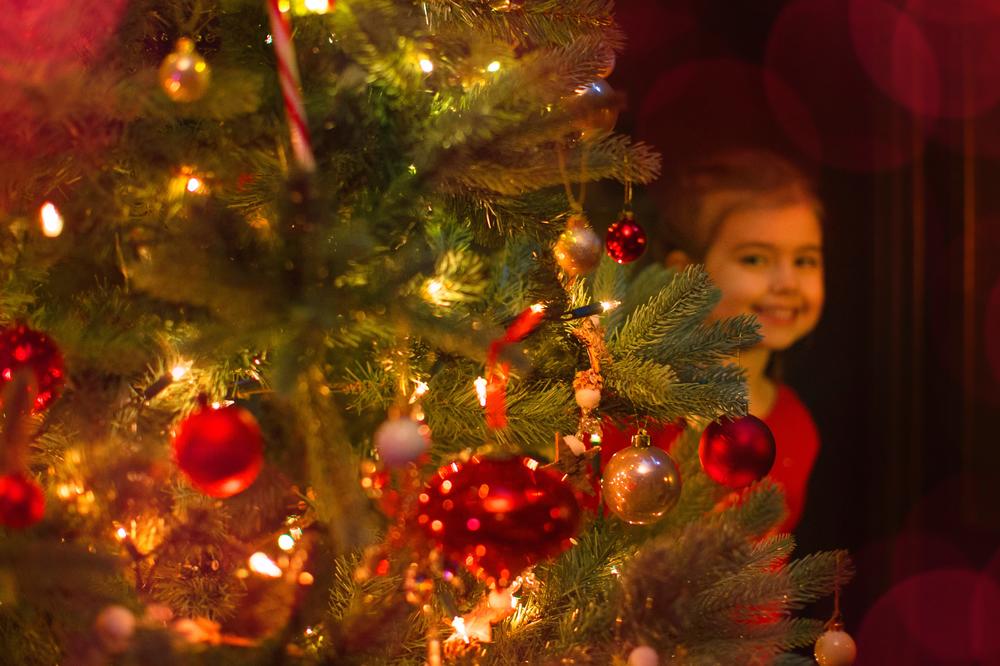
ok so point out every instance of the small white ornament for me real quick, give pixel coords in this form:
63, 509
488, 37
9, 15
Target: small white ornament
401, 440
835, 648
588, 398
114, 626
643, 656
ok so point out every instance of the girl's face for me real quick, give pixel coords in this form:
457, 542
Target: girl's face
769, 262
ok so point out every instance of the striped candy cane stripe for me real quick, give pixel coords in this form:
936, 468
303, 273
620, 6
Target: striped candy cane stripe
291, 89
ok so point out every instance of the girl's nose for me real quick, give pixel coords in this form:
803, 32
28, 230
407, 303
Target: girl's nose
784, 278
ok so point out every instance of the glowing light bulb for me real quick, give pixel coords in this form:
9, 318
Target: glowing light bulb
459, 625
317, 6
608, 306
180, 370
286, 542
426, 66
51, 219
480, 384
493, 66
538, 308
121, 533
194, 185
264, 565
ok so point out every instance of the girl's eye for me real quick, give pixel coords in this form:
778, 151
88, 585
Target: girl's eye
808, 261
753, 260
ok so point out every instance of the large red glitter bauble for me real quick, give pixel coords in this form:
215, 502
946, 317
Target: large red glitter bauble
625, 240
220, 450
498, 516
22, 502
22, 348
737, 452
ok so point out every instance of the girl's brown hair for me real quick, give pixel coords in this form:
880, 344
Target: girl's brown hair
703, 195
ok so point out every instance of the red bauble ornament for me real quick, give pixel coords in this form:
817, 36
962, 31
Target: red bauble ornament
25, 349
22, 502
220, 450
737, 452
625, 240
498, 517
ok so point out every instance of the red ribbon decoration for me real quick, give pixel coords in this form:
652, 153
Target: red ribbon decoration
497, 373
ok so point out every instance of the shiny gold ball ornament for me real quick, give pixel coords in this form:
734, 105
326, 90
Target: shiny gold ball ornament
184, 74
579, 248
595, 109
641, 483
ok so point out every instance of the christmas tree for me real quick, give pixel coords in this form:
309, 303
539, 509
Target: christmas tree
308, 348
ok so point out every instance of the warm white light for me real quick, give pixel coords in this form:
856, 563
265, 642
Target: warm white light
608, 306
318, 6
538, 308
264, 565
180, 370
459, 625
434, 287
121, 533
481, 390
194, 185
493, 66
426, 65
418, 391
286, 542
52, 221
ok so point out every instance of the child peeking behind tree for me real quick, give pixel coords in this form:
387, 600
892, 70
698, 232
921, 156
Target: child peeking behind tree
753, 220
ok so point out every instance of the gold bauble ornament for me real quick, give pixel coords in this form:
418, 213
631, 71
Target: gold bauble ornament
595, 108
579, 248
184, 74
641, 483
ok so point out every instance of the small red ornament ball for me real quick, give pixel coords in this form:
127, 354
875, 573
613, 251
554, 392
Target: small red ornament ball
737, 452
22, 502
626, 240
498, 516
220, 450
24, 349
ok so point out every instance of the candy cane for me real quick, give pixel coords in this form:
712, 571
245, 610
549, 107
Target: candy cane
291, 88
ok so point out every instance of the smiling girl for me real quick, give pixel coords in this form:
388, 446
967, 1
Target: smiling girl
753, 220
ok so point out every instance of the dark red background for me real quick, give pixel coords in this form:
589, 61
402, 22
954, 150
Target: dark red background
893, 105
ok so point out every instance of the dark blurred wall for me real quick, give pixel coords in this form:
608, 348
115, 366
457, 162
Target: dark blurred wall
895, 106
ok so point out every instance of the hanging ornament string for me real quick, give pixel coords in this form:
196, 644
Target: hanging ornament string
497, 372
836, 621
575, 204
835, 647
291, 88
578, 249
628, 189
